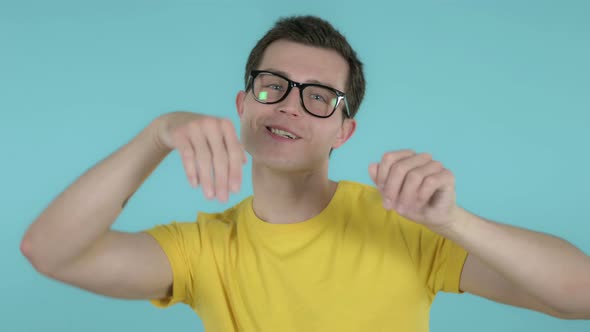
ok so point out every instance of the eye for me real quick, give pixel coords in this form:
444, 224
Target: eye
318, 98
275, 87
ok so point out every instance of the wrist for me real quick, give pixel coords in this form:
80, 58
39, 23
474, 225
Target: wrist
154, 130
459, 220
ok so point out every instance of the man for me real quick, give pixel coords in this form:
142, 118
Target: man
303, 253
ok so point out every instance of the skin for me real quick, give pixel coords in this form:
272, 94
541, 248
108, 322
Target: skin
290, 177
72, 240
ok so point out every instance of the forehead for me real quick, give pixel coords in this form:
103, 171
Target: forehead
305, 63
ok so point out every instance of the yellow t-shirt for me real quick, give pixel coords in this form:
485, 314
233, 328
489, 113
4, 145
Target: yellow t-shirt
354, 267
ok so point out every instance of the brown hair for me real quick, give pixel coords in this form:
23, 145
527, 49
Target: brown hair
314, 31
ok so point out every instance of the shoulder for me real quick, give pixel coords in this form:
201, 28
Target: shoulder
359, 193
226, 217
356, 187
361, 202
366, 200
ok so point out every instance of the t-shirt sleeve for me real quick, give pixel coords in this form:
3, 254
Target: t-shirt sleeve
439, 261
181, 242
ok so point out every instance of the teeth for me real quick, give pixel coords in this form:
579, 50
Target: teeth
283, 133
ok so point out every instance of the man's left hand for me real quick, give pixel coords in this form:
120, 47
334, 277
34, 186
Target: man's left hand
417, 187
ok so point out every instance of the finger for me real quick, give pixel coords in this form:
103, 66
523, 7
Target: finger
373, 168
408, 197
439, 182
220, 159
397, 175
387, 160
236, 155
203, 161
187, 154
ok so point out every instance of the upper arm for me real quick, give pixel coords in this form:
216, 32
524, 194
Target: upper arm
121, 265
478, 279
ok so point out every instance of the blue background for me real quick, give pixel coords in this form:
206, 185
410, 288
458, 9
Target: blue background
498, 91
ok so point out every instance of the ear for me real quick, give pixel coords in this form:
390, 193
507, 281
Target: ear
240, 103
345, 132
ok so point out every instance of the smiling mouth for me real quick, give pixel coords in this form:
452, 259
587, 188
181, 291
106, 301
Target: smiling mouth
282, 133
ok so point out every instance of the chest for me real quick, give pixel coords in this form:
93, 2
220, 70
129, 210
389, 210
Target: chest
324, 281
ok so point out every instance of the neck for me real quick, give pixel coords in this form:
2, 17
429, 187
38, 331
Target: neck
285, 198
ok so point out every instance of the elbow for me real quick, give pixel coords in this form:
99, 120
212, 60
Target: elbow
26, 249
29, 250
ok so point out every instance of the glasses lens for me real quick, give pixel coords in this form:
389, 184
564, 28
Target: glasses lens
269, 88
319, 100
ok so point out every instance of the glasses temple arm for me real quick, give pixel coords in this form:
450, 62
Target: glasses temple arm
346, 105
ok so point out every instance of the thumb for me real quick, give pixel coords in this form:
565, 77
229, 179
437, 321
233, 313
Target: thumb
443, 197
373, 168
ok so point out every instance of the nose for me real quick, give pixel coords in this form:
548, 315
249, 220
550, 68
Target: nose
292, 104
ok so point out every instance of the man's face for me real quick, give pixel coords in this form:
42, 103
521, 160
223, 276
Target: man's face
315, 136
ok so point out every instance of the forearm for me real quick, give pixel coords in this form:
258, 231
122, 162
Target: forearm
546, 267
85, 210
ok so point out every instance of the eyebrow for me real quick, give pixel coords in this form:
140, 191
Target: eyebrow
308, 81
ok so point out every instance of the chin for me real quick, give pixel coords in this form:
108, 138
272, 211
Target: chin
278, 163
284, 157
293, 162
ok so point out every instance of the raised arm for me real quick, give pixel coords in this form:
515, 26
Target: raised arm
506, 264
72, 240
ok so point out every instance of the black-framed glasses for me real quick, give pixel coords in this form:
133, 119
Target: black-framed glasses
318, 100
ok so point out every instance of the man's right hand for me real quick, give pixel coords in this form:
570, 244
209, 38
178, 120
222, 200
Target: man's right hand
211, 153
